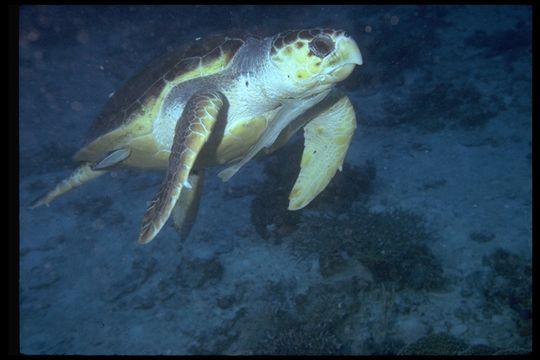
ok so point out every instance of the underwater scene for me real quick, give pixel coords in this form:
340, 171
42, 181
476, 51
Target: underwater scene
282, 180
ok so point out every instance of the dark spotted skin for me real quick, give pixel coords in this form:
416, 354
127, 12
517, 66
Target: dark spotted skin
291, 36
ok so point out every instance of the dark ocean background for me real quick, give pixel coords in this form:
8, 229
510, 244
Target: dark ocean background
422, 245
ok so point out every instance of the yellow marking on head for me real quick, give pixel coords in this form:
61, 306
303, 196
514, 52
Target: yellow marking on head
302, 74
320, 59
295, 61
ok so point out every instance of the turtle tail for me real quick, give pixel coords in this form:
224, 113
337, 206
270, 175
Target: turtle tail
81, 175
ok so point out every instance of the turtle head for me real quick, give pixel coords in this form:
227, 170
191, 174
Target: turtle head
313, 60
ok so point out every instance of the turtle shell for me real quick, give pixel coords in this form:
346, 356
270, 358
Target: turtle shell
202, 58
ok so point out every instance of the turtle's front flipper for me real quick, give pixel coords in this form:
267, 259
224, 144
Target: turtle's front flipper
185, 211
191, 133
80, 176
326, 140
286, 114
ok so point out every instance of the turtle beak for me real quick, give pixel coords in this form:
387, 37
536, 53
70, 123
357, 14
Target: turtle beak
348, 56
349, 51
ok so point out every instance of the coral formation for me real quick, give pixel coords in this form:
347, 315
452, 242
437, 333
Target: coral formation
392, 245
315, 324
481, 237
269, 212
509, 284
463, 106
436, 344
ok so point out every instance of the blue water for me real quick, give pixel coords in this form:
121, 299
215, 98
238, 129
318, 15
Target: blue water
421, 245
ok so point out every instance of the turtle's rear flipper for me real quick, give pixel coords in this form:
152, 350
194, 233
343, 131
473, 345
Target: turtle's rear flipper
191, 133
185, 211
326, 141
81, 175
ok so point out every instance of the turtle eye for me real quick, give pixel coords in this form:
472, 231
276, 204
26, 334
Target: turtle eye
321, 46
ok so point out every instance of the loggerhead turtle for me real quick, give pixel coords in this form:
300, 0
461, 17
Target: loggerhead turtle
223, 101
